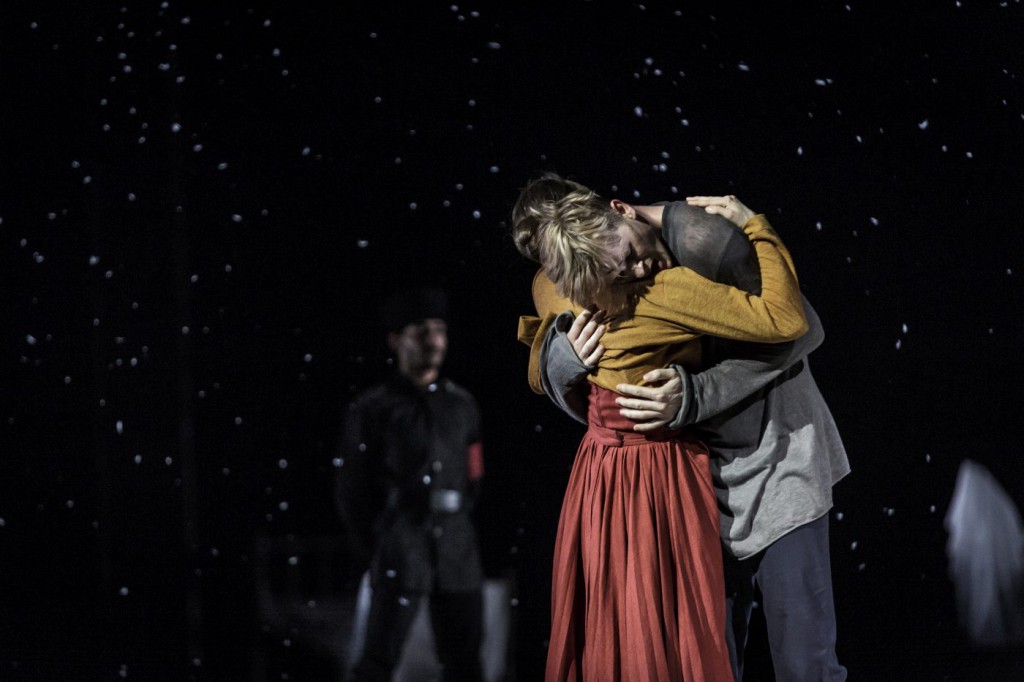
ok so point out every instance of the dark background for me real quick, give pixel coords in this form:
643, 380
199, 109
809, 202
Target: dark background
202, 203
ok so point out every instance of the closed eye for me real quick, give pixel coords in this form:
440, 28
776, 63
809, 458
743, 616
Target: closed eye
626, 270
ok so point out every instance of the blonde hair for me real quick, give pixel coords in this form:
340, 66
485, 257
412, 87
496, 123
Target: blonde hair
569, 229
534, 205
574, 243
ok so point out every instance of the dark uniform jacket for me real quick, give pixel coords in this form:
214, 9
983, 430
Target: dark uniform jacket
411, 462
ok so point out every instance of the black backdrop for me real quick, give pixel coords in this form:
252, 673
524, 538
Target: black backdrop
202, 203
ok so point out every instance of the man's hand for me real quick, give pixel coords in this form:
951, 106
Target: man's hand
655, 405
585, 335
728, 207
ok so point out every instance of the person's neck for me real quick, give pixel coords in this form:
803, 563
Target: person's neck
421, 378
651, 215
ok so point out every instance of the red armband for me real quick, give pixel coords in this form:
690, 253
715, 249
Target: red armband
475, 461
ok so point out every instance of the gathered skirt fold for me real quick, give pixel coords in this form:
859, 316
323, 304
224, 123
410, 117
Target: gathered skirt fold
638, 592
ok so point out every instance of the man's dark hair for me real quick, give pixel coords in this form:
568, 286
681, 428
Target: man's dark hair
410, 305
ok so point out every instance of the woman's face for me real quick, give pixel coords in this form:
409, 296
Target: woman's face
638, 254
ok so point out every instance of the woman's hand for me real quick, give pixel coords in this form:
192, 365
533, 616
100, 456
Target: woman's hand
585, 335
728, 207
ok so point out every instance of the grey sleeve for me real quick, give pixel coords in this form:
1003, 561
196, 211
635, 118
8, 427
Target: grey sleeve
710, 392
562, 373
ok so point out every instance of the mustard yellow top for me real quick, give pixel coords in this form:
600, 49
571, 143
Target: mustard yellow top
675, 309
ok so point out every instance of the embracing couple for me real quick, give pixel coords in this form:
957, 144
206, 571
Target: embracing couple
677, 333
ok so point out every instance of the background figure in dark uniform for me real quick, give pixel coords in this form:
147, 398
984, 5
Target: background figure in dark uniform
410, 474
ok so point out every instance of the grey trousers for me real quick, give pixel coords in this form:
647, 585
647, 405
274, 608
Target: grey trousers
795, 578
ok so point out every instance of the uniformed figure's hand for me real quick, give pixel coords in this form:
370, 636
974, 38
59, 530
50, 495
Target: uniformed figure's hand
728, 207
585, 335
654, 405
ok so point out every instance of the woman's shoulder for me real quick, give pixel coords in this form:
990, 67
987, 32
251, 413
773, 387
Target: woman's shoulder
546, 297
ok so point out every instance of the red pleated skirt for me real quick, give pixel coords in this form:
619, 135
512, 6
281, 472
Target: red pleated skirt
637, 586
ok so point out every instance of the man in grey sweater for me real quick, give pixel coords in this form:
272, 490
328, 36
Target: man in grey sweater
776, 450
